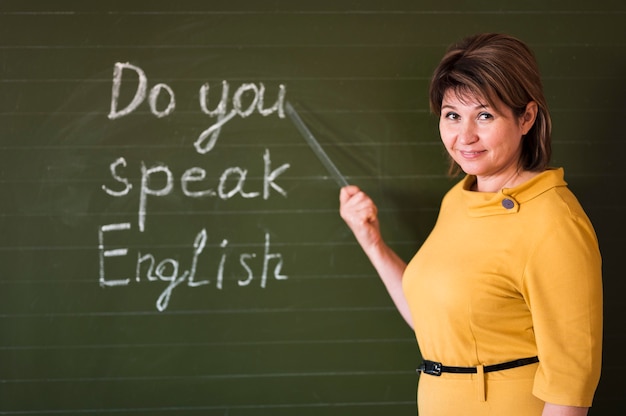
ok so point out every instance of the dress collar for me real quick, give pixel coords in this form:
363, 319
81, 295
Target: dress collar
508, 200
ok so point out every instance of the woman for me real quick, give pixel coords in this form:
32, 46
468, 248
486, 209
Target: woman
505, 295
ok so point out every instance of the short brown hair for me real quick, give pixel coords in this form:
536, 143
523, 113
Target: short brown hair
494, 65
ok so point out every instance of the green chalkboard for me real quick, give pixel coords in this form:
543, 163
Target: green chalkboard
170, 244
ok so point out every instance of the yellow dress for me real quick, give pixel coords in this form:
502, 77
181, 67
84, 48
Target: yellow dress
505, 276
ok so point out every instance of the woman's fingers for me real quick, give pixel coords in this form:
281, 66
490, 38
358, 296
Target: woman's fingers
356, 207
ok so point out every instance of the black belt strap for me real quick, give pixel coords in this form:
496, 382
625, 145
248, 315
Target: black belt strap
434, 368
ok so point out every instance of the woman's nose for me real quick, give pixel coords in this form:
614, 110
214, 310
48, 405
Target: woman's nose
467, 133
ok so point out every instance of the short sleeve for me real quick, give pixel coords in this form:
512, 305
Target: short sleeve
563, 289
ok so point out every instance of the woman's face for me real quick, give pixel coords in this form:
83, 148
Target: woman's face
483, 140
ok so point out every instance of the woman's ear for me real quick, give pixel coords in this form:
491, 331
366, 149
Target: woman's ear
528, 118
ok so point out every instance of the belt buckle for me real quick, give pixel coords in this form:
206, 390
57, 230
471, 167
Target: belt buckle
431, 368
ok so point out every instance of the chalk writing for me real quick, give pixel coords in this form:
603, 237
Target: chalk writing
157, 180
140, 93
232, 182
208, 138
150, 269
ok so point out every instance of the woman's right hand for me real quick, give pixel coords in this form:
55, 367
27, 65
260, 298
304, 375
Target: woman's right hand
360, 214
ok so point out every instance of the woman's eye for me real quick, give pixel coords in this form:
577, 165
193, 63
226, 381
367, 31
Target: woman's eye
452, 116
485, 116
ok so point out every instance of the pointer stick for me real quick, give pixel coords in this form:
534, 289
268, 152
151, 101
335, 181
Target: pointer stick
315, 146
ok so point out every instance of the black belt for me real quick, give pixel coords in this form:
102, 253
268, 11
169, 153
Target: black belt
435, 369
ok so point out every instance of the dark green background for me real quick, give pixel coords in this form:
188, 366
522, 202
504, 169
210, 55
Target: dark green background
326, 341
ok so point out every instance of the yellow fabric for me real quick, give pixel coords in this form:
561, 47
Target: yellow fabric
510, 275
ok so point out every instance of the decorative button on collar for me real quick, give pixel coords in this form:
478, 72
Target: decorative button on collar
507, 203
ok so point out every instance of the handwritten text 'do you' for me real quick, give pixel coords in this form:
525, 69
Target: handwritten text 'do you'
246, 99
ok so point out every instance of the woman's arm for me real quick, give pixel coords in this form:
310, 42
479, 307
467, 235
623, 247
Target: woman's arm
557, 410
361, 215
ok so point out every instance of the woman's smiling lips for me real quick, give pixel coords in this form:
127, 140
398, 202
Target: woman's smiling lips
471, 154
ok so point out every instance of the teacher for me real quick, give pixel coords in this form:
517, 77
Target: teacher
505, 295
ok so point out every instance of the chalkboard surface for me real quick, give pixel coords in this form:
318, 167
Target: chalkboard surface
169, 241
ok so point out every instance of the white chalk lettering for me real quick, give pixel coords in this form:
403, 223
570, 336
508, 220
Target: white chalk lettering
202, 264
269, 176
247, 99
238, 188
267, 257
173, 279
154, 97
141, 259
220, 269
169, 270
145, 190
140, 93
244, 263
278, 106
191, 175
198, 247
104, 254
208, 138
127, 185
231, 182
221, 108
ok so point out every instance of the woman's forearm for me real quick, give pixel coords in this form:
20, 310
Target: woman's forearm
390, 268
558, 410
361, 215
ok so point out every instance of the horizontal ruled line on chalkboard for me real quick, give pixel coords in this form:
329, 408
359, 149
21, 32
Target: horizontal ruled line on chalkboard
168, 246
195, 312
330, 276
182, 112
595, 109
280, 79
357, 145
209, 376
226, 408
251, 178
92, 281
212, 344
247, 78
75, 214
310, 12
248, 46
299, 46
